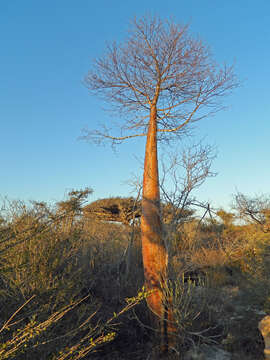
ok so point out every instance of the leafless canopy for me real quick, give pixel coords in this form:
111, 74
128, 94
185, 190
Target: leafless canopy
254, 209
186, 171
159, 64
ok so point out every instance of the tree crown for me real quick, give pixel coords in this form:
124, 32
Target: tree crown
159, 65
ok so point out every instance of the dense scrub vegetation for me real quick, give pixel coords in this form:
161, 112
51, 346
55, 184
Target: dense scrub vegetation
72, 284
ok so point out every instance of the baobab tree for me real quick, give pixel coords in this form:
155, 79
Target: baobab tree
159, 81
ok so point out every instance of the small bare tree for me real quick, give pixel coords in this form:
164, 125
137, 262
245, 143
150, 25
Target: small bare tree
161, 80
254, 209
185, 171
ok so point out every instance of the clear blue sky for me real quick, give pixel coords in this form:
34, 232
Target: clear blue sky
46, 49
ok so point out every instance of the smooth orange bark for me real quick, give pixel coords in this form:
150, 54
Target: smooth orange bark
155, 256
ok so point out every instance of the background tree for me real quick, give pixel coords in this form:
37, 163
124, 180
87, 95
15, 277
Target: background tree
117, 209
254, 209
185, 171
161, 80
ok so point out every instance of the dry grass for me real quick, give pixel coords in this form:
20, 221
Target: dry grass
60, 258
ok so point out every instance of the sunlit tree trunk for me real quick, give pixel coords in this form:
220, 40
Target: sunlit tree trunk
155, 257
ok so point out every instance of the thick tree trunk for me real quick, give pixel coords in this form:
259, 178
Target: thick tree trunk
155, 257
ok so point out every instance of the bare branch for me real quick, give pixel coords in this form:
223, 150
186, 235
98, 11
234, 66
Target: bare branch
97, 136
159, 64
254, 209
185, 172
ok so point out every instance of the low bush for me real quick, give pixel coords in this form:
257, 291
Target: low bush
64, 279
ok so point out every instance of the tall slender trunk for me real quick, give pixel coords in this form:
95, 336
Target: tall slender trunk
155, 256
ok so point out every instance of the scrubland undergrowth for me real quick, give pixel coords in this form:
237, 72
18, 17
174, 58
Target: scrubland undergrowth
70, 286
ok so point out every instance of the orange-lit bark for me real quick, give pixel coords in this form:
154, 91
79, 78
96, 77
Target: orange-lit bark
155, 257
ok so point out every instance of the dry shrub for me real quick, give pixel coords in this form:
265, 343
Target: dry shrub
209, 257
61, 258
40, 339
195, 307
